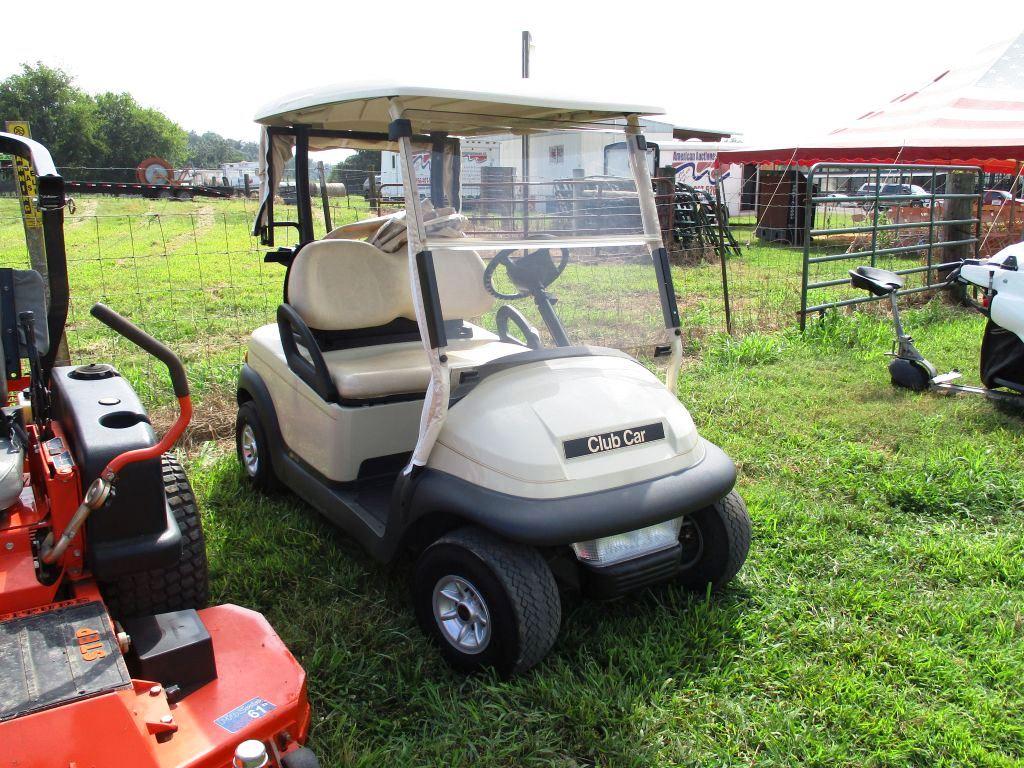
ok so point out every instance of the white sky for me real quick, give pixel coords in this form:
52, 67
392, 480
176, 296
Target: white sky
773, 70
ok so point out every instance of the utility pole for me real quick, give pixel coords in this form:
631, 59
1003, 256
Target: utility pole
527, 49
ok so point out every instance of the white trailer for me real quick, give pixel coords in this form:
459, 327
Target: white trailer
476, 154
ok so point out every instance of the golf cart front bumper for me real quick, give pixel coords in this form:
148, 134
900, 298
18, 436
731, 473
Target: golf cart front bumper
564, 521
610, 581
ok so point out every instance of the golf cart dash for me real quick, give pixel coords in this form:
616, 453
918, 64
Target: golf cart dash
449, 381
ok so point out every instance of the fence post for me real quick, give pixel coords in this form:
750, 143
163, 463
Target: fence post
32, 220
374, 198
960, 183
323, 196
722, 250
808, 226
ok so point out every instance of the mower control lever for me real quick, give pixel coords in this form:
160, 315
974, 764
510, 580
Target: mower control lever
179, 380
140, 338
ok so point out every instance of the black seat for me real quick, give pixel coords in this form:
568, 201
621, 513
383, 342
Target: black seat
880, 282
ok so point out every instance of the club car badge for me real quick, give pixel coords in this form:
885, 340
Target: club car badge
611, 441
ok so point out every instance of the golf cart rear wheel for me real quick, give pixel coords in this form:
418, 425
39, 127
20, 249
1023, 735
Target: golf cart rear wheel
253, 450
183, 585
486, 602
715, 543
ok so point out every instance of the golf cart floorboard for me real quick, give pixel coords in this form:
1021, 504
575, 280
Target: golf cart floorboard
369, 500
57, 657
374, 497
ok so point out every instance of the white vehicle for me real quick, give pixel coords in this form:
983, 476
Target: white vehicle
424, 391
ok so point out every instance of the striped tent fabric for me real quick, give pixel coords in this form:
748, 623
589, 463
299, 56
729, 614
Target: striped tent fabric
970, 115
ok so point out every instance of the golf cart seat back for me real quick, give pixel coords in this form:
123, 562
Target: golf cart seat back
346, 285
351, 290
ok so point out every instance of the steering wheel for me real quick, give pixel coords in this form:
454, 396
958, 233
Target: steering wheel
533, 271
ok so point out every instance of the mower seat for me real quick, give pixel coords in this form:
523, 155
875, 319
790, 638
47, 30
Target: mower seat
878, 282
345, 287
12, 466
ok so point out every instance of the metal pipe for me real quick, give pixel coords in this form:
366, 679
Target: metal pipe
95, 497
896, 316
888, 227
851, 302
900, 249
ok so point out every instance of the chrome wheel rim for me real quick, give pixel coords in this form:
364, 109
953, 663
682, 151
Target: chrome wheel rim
462, 614
250, 452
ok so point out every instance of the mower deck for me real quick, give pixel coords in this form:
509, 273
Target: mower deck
63, 711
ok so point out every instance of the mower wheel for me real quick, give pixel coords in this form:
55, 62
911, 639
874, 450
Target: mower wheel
253, 451
486, 602
909, 374
715, 542
303, 757
181, 586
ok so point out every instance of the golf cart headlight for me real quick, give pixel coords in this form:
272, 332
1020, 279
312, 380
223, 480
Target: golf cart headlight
625, 546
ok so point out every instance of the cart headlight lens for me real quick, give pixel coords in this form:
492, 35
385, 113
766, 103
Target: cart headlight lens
625, 546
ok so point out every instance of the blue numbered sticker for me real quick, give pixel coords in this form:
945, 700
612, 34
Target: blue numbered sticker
242, 715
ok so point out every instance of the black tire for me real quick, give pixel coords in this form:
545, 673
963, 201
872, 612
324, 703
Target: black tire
302, 757
909, 374
261, 475
718, 539
517, 589
183, 585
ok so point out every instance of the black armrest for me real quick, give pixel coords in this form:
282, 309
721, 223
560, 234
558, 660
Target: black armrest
313, 371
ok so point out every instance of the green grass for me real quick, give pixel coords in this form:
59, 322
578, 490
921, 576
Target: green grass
879, 620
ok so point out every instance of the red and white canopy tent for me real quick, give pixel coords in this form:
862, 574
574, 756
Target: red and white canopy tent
970, 115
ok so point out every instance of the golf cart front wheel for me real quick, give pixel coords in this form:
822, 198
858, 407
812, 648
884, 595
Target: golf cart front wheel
715, 542
486, 602
909, 374
253, 450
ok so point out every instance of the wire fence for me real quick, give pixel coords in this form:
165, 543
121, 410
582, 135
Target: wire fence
191, 273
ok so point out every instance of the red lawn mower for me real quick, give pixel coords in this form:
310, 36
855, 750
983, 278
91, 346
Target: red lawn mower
108, 655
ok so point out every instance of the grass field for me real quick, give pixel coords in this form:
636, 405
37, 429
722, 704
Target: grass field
879, 620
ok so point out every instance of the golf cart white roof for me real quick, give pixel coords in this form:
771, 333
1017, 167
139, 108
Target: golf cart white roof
363, 106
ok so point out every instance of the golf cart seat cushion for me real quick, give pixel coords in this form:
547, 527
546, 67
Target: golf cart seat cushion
385, 370
340, 285
12, 465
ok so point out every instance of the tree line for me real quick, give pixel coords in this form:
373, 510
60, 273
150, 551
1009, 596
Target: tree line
106, 130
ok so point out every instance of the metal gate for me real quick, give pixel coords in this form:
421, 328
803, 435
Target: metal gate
883, 215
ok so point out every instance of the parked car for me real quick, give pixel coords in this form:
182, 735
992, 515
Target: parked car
923, 198
999, 196
366, 185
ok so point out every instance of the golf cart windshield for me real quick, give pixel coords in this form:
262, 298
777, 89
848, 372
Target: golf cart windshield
568, 260
515, 236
